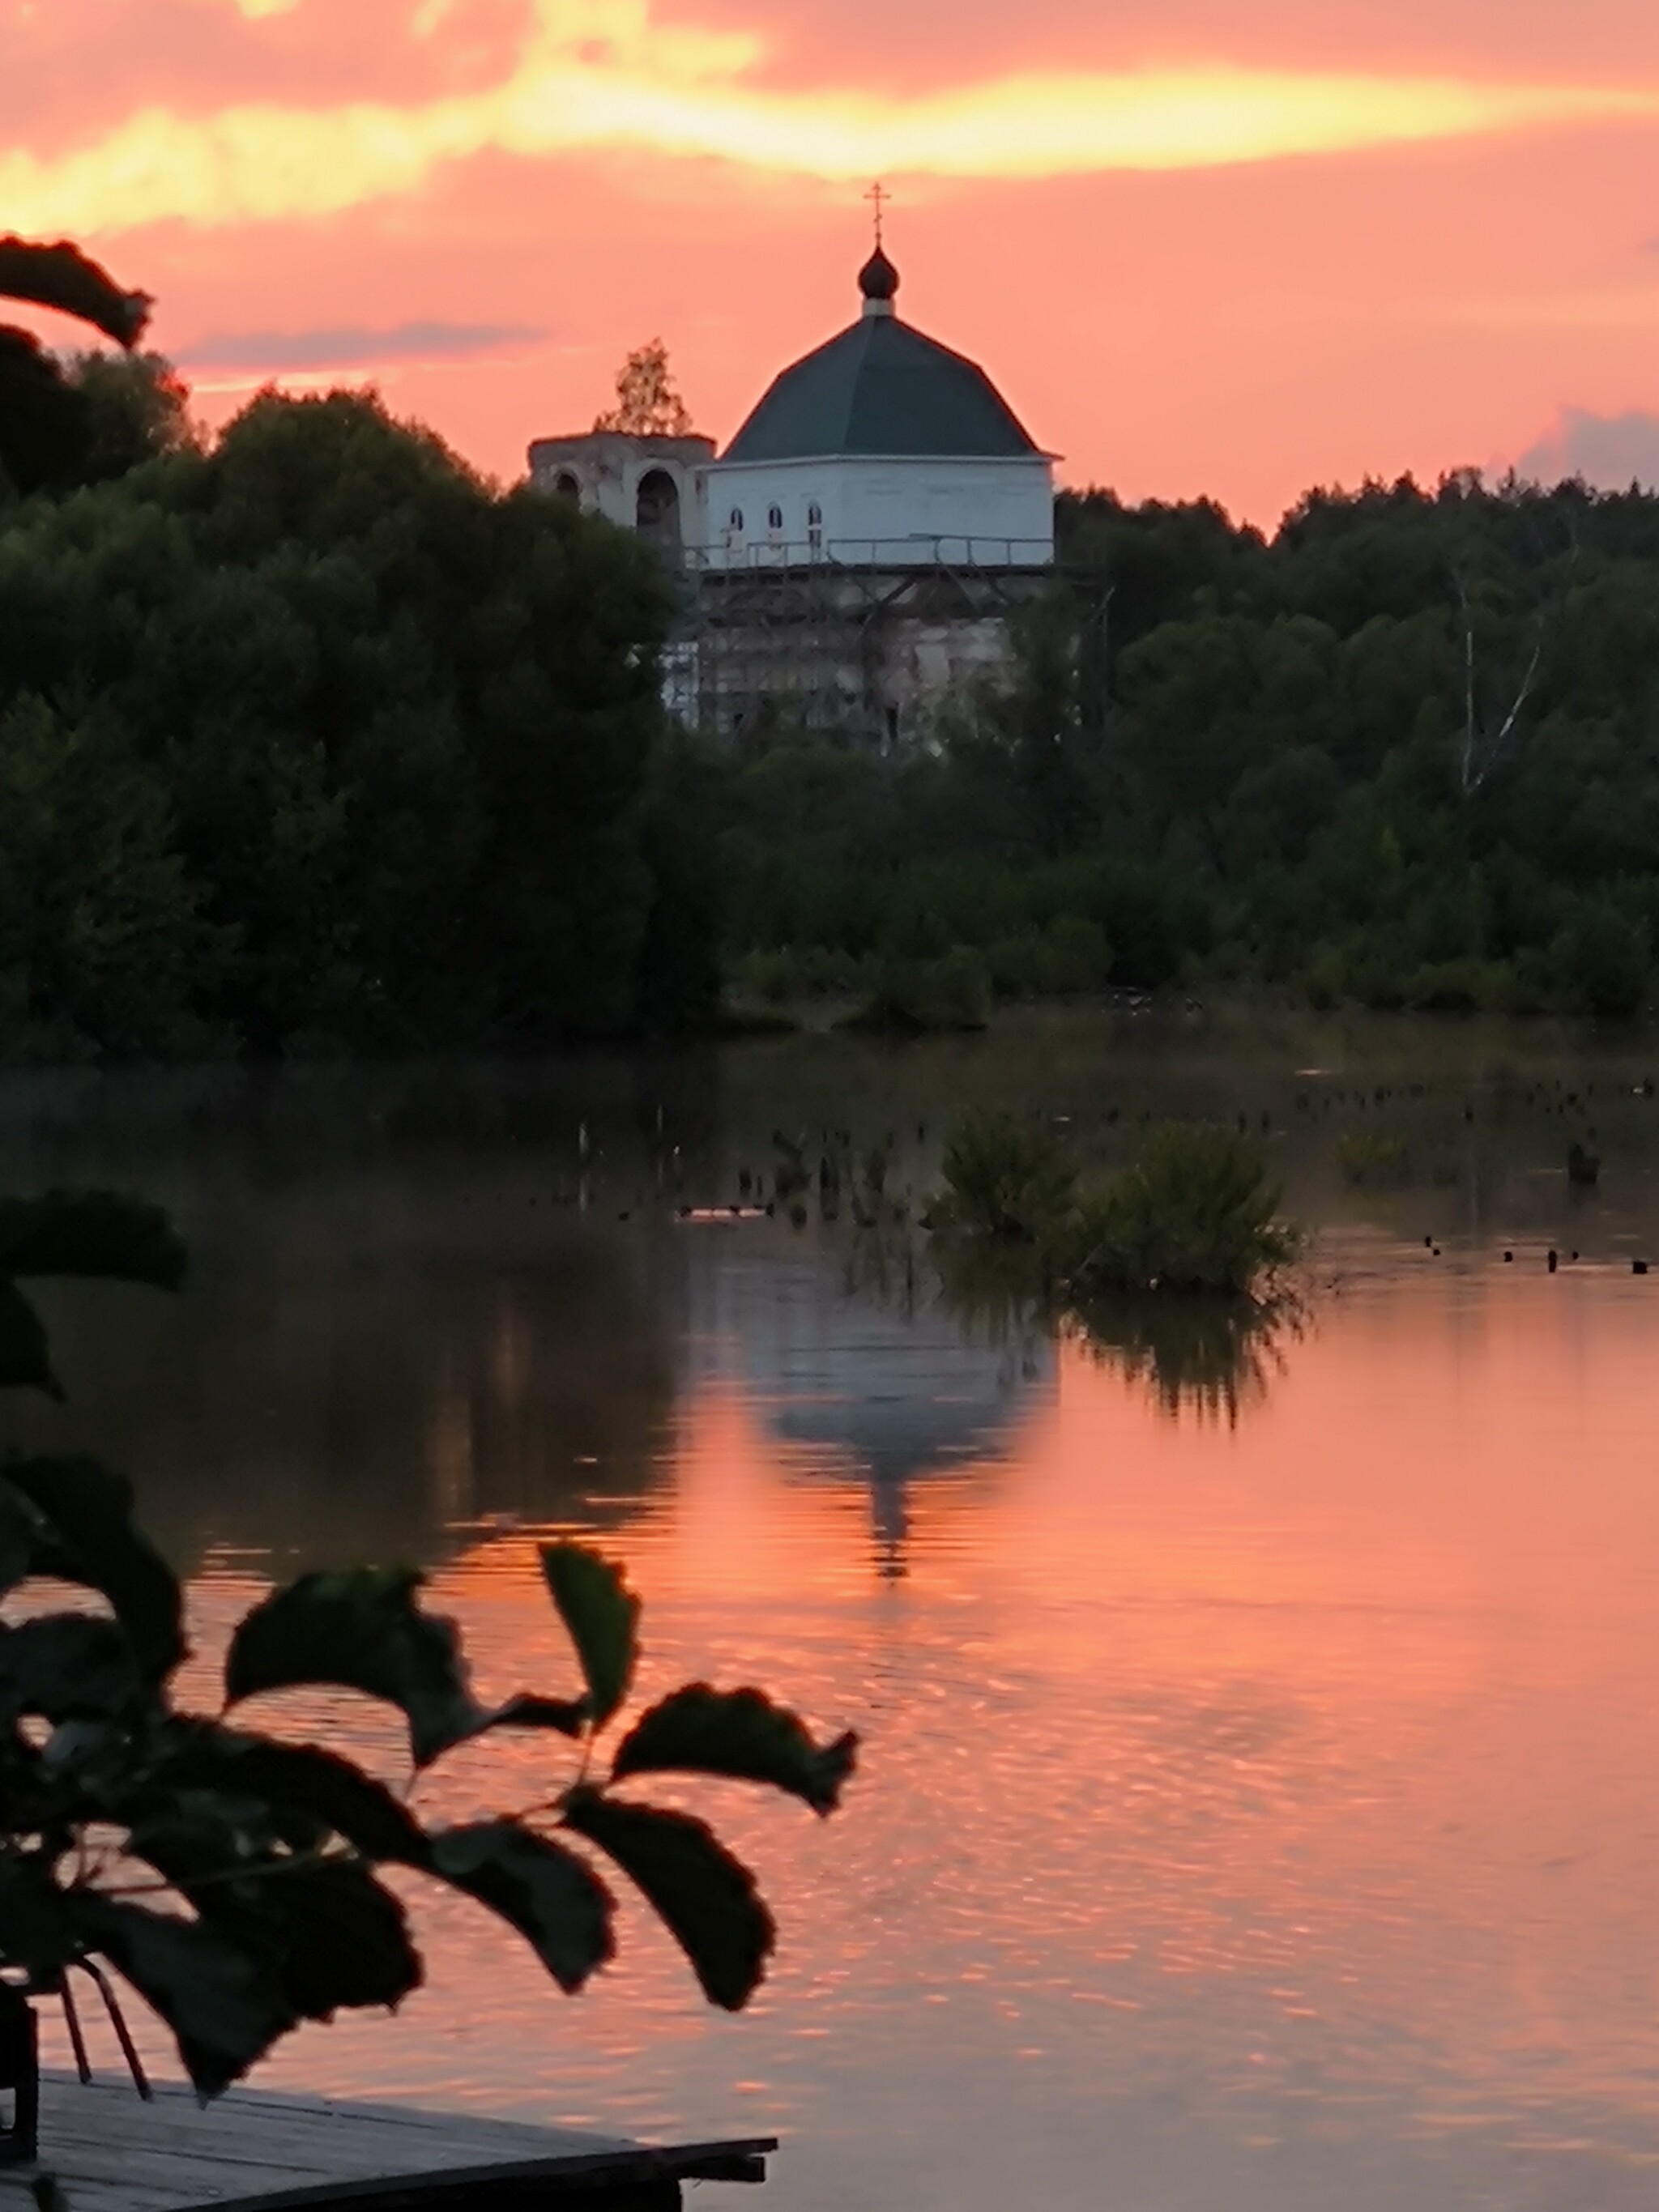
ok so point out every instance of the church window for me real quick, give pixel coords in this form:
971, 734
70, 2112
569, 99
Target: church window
815, 527
734, 530
775, 517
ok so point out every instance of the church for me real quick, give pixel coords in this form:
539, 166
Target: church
849, 562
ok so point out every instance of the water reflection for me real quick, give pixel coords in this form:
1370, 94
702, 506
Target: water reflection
1260, 1815
1211, 1358
353, 1372
845, 1352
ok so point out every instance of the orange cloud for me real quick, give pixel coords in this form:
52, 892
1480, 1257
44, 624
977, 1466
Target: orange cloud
604, 74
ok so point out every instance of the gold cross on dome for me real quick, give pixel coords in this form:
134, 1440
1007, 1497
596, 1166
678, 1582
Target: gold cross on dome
878, 195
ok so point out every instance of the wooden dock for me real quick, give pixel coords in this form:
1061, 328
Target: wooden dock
252, 2151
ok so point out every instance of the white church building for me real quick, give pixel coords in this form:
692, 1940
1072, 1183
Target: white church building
852, 556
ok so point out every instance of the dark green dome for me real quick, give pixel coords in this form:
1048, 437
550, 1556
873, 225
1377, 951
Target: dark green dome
881, 388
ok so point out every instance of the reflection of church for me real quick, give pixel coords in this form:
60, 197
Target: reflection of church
850, 559
851, 1386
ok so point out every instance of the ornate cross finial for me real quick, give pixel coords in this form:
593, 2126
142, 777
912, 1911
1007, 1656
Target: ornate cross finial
879, 197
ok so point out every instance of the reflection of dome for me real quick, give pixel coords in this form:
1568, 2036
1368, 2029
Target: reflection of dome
899, 1397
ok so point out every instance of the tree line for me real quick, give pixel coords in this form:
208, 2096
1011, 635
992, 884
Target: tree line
1403, 752
310, 738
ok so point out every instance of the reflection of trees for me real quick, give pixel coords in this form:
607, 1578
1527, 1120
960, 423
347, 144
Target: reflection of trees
344, 1383
995, 1292
1205, 1355
1210, 1357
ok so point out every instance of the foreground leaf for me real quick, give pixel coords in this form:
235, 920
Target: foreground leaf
20, 1538
224, 2005
66, 1666
96, 1233
327, 1790
25, 1362
699, 1730
62, 276
550, 1896
602, 1614
568, 1715
360, 1631
706, 1898
89, 1510
335, 1939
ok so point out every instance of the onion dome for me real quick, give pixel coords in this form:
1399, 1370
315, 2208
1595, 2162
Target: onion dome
878, 280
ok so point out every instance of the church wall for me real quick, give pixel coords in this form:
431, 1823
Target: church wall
986, 513
877, 654
608, 466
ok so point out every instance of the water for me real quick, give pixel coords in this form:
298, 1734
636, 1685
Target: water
1259, 1803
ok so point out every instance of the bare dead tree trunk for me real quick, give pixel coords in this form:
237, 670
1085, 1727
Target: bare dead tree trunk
1483, 747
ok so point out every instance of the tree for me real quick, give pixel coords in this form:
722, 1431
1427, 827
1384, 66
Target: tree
405, 723
647, 404
235, 1878
46, 422
1048, 721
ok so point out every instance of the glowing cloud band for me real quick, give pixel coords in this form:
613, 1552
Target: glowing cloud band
258, 161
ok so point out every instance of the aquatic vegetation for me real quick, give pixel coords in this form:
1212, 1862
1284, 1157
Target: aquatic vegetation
1373, 1162
121, 1806
913, 998
1005, 1178
1196, 1212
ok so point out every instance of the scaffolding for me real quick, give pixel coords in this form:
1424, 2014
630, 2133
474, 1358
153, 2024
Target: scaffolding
805, 638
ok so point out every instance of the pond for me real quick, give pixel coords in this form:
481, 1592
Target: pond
1259, 1803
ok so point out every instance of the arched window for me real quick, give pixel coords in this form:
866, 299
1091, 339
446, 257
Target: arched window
775, 517
566, 486
814, 527
737, 521
734, 530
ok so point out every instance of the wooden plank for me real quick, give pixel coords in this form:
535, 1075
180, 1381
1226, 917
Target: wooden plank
258, 2151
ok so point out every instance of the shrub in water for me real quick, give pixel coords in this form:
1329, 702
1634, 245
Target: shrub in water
911, 997
1007, 1177
1196, 1211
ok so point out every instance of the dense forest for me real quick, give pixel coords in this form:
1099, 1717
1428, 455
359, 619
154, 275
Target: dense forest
1406, 753
311, 739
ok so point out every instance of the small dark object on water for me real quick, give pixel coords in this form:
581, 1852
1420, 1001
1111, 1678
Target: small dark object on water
1436, 1251
1583, 1163
1647, 1086
798, 1216
1509, 1259
1469, 1112
1572, 1255
624, 1215
1553, 1259
1428, 1243
1638, 1267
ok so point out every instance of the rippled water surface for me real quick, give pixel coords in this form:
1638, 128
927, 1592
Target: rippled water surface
1259, 1797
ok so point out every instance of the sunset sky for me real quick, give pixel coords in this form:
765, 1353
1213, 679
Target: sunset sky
1204, 248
